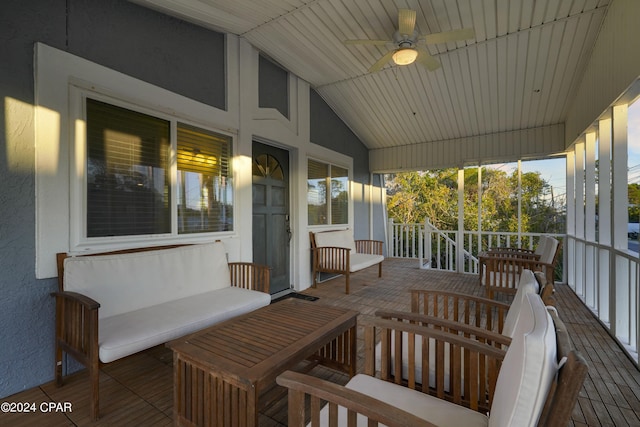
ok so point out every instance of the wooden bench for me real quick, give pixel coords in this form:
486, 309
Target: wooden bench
112, 305
535, 382
338, 252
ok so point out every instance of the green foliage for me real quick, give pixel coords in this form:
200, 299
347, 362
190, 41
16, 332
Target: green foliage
634, 202
415, 196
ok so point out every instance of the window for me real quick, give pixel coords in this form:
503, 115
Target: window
204, 194
331, 208
128, 188
129, 170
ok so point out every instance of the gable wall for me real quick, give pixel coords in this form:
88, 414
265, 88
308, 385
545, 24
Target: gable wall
139, 42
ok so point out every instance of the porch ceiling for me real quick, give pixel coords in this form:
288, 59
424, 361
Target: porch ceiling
520, 72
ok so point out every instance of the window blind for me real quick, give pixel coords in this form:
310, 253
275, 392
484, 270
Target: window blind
128, 189
317, 174
205, 199
339, 195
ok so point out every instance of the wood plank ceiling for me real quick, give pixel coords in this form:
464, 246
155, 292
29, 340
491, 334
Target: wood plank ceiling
519, 72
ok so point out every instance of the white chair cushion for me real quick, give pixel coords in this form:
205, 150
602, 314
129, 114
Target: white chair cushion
128, 282
528, 368
131, 332
361, 261
527, 284
542, 245
337, 238
434, 410
549, 250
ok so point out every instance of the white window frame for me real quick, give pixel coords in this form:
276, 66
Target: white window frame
349, 189
58, 76
78, 179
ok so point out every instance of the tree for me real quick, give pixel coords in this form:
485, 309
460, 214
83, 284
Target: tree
415, 196
634, 202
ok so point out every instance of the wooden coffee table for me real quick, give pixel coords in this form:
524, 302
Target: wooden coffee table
220, 371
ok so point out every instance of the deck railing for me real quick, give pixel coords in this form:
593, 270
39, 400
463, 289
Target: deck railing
438, 249
608, 282
606, 279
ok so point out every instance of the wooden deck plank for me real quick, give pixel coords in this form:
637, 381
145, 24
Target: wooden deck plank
138, 389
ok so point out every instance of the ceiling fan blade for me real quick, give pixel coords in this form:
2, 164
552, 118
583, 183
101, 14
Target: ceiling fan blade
450, 36
368, 42
428, 61
381, 62
406, 21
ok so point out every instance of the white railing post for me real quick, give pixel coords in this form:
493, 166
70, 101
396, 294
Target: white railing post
420, 244
427, 242
392, 238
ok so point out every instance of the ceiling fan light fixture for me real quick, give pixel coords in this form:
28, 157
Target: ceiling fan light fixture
405, 56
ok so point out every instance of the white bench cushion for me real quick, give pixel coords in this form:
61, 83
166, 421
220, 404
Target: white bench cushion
129, 333
337, 238
127, 282
434, 410
361, 261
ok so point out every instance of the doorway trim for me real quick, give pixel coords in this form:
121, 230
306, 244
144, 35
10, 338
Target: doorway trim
294, 207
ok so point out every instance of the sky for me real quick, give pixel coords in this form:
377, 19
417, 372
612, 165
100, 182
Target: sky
634, 142
554, 170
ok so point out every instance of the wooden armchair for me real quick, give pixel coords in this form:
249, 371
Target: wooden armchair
337, 252
535, 382
480, 318
500, 270
539, 251
478, 311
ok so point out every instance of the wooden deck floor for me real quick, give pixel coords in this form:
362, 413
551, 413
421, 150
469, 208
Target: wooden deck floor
138, 390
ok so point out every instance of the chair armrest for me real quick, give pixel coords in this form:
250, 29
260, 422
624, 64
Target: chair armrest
85, 301
77, 325
372, 247
336, 395
249, 275
469, 309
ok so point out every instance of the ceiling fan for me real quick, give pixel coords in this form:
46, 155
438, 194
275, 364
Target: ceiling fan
405, 41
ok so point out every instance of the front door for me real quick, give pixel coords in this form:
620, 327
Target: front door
271, 232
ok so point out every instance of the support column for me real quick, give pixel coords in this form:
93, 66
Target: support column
579, 248
569, 258
619, 309
460, 234
590, 264
605, 259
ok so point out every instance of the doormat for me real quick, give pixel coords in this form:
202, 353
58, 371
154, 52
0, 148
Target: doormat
297, 295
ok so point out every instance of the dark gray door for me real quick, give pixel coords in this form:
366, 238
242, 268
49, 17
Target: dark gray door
271, 232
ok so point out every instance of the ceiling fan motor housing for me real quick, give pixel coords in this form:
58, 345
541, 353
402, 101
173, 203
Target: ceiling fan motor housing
404, 40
